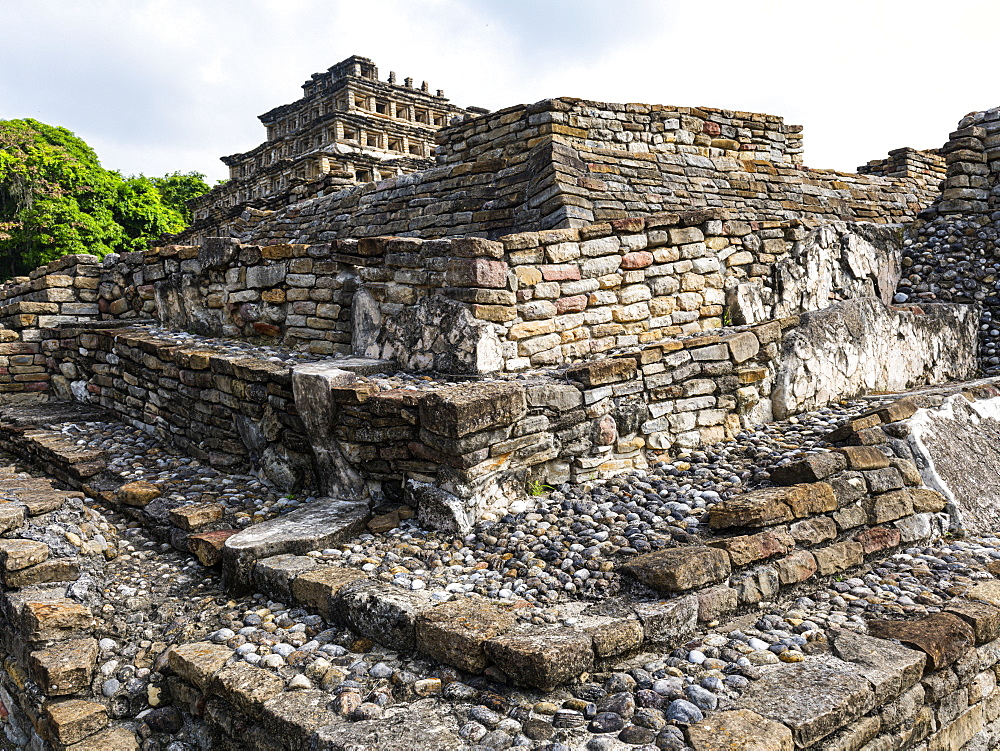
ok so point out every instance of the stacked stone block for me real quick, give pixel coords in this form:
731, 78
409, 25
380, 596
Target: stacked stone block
566, 163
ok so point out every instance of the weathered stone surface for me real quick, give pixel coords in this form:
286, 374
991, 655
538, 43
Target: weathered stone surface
438, 509
39, 502
12, 516
139, 493
320, 524
987, 591
612, 635
981, 617
881, 349
317, 588
747, 549
196, 515
207, 546
600, 372
875, 539
958, 448
198, 662
739, 729
382, 613
64, 668
838, 557
887, 507
276, 573
416, 725
812, 468
543, 658
18, 554
246, 686
770, 506
813, 531
864, 457
470, 408
51, 570
811, 698
46, 616
456, 632
926, 500
73, 720
890, 668
796, 567
668, 623
117, 738
294, 716
679, 569
941, 636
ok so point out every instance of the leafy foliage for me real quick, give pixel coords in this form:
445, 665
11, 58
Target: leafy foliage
56, 199
176, 188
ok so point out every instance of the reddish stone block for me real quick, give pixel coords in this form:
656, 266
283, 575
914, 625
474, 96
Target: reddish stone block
875, 539
573, 304
638, 259
560, 273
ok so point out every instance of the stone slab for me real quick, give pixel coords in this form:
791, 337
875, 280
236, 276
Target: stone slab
812, 698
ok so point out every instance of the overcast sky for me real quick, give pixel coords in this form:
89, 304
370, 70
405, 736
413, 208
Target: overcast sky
162, 85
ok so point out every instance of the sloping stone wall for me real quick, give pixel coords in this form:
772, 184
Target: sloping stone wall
569, 162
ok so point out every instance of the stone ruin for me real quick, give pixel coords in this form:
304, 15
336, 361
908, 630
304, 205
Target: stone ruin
571, 292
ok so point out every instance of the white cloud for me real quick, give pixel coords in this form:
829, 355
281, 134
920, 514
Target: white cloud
160, 85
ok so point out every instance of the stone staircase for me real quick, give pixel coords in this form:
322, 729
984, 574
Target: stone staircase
47, 639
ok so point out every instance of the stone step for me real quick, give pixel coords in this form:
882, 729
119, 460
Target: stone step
46, 572
20, 554
64, 668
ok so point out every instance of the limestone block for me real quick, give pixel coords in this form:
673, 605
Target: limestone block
207, 546
198, 662
813, 531
381, 612
796, 567
196, 515
838, 557
679, 569
542, 658
876, 539
318, 587
73, 720
864, 457
19, 554
64, 668
469, 408
246, 686
810, 469
812, 699
667, 623
890, 668
275, 574
739, 728
294, 716
138, 494
982, 617
51, 570
747, 549
888, 507
456, 632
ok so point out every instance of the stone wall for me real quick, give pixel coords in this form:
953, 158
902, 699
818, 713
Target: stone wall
568, 162
30, 307
481, 442
950, 251
468, 305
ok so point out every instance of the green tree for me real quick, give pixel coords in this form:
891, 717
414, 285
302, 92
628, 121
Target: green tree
177, 188
56, 199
